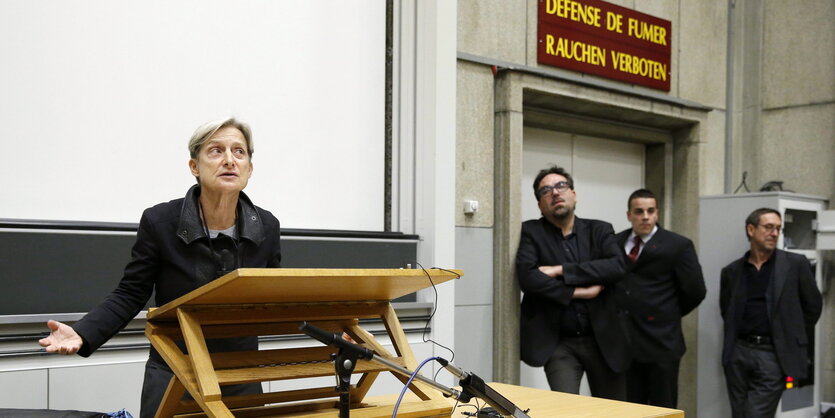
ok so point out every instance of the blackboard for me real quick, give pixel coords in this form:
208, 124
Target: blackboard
70, 270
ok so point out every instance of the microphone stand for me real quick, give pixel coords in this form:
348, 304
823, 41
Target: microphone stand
349, 353
344, 362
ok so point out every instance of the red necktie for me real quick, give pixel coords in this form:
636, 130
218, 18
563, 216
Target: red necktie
633, 254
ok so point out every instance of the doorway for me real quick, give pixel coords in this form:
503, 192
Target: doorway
605, 173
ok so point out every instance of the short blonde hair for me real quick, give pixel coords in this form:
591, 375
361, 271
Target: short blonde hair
205, 131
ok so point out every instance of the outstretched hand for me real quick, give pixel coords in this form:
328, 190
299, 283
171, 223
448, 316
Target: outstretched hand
62, 339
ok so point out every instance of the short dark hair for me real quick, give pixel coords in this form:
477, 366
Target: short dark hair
754, 218
641, 194
551, 170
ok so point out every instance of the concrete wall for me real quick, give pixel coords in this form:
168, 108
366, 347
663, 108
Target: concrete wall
798, 120
798, 96
780, 96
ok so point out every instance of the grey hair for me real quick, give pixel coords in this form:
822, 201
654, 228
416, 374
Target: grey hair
205, 131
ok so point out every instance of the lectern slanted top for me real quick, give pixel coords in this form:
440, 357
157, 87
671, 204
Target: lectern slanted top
274, 302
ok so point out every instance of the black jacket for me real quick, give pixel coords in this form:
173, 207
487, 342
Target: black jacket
664, 284
172, 257
545, 298
793, 302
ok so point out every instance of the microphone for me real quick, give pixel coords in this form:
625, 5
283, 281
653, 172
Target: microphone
335, 340
474, 386
455, 371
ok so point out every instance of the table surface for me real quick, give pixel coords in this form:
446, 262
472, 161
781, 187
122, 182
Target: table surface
545, 403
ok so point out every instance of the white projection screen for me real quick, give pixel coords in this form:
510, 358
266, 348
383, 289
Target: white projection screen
99, 98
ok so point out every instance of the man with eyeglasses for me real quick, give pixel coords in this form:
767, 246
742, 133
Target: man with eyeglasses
770, 304
566, 267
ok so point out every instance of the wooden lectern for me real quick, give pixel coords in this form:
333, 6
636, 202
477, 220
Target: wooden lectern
274, 302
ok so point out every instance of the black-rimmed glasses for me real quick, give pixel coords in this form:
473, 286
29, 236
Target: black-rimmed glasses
561, 186
771, 228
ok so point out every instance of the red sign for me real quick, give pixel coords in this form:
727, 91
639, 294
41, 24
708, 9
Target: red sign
595, 37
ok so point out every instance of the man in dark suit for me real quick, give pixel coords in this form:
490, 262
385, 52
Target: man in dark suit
566, 267
770, 304
663, 283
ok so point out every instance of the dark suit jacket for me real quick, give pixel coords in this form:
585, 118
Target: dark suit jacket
545, 298
663, 285
794, 306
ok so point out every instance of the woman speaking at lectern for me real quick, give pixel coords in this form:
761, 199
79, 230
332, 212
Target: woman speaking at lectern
182, 245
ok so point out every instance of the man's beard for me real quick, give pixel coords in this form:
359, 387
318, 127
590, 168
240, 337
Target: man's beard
562, 212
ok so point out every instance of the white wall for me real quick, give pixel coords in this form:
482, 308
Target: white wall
99, 98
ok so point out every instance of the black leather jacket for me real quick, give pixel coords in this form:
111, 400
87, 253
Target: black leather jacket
172, 257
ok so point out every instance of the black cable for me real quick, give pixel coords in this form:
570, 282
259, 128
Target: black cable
437, 372
477, 407
457, 276
744, 176
457, 403
434, 309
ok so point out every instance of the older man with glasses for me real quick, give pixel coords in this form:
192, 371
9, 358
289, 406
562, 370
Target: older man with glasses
566, 267
770, 304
